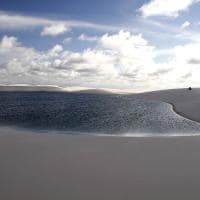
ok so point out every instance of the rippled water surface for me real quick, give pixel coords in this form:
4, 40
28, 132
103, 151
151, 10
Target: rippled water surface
74, 113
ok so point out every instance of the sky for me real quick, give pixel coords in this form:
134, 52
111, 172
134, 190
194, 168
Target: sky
126, 45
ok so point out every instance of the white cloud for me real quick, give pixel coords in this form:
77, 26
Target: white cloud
55, 29
185, 24
10, 21
169, 32
22, 65
84, 37
123, 41
67, 40
129, 52
8, 42
121, 61
55, 50
169, 8
15, 21
185, 63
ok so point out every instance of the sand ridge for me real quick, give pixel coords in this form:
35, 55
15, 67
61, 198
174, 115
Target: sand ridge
185, 102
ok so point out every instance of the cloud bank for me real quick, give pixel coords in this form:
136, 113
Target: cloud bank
118, 61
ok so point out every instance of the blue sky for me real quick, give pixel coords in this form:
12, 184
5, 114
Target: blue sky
102, 11
112, 13
129, 45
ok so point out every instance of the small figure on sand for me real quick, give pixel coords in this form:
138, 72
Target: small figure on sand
189, 88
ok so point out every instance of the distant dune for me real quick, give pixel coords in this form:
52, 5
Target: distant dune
93, 91
27, 88
185, 102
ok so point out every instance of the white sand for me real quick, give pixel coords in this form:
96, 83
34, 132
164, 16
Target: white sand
186, 103
61, 167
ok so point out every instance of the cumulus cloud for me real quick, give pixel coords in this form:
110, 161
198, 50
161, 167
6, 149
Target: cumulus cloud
194, 61
185, 64
169, 8
8, 42
55, 29
19, 65
105, 65
67, 40
84, 37
121, 60
185, 24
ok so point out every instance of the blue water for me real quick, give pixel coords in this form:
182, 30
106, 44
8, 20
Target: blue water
74, 113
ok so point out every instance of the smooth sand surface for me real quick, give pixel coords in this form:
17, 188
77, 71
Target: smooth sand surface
185, 102
61, 167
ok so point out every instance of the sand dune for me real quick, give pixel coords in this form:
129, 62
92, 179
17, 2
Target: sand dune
44, 167
28, 88
186, 103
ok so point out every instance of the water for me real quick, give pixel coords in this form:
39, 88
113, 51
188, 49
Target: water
106, 114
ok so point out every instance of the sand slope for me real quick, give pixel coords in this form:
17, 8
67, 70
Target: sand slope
60, 167
186, 103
